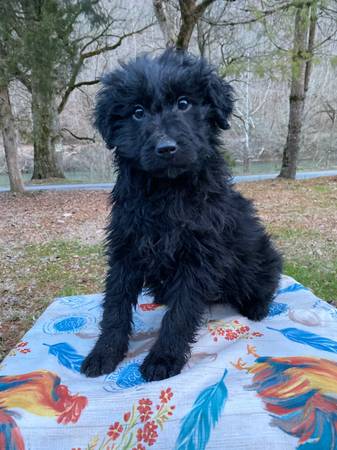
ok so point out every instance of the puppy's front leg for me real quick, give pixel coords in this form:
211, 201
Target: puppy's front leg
122, 288
178, 329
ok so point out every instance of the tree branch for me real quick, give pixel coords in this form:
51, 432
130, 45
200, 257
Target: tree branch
80, 138
96, 38
108, 48
86, 83
320, 44
262, 14
83, 56
201, 8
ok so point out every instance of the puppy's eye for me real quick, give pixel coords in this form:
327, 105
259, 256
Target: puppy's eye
138, 112
183, 104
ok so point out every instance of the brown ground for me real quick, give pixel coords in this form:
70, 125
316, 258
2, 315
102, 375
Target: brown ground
45, 216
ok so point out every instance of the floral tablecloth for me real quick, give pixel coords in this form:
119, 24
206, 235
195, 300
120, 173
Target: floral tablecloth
248, 385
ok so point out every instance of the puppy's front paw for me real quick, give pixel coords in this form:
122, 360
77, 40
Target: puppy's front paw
160, 366
100, 362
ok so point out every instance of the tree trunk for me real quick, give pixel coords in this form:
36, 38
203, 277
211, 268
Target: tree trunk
10, 143
299, 81
45, 132
247, 119
311, 44
190, 13
189, 20
165, 21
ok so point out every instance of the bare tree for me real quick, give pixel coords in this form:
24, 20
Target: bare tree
190, 13
165, 15
52, 40
254, 36
7, 123
304, 36
7, 126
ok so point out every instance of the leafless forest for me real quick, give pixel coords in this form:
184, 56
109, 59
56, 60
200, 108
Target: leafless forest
254, 44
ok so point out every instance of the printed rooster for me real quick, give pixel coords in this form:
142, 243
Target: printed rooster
300, 393
40, 393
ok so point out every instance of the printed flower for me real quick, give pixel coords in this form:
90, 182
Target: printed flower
115, 430
144, 409
144, 403
166, 395
230, 335
149, 306
149, 433
243, 329
171, 410
139, 447
257, 333
139, 435
228, 330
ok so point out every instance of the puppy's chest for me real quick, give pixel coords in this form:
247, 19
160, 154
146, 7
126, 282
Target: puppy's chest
156, 245
160, 237
164, 231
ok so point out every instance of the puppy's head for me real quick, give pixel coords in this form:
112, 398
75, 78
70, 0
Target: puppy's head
163, 114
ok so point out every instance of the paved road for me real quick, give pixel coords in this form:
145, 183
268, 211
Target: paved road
108, 186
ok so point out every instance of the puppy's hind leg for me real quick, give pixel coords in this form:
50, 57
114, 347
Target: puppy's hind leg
253, 299
254, 308
256, 283
122, 288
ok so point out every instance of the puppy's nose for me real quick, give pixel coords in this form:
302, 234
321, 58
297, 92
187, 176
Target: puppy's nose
166, 147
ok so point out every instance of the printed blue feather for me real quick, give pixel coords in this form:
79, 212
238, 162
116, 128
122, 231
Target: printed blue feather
66, 356
292, 288
307, 338
277, 308
197, 424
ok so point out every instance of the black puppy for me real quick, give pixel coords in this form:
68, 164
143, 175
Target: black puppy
177, 228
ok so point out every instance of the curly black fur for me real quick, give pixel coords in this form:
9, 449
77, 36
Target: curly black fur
178, 228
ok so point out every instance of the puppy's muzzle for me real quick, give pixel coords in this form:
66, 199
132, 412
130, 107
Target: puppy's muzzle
166, 148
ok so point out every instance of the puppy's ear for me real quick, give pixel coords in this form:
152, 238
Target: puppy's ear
220, 95
104, 112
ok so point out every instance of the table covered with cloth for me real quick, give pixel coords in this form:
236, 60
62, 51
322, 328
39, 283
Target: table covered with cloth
248, 385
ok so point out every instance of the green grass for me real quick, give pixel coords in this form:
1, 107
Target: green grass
321, 188
39, 273
69, 266
318, 275
309, 258
293, 233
